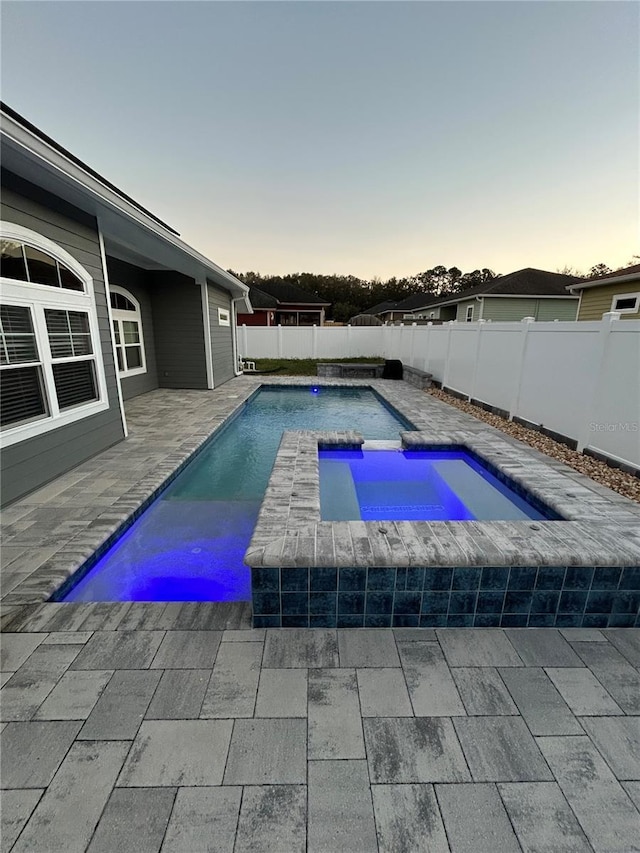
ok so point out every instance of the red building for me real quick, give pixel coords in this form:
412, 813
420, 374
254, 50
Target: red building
276, 304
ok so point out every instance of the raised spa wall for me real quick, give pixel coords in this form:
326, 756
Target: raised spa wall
581, 571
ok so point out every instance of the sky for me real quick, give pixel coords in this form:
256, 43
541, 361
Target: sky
375, 139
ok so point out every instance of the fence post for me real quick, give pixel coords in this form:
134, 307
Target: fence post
412, 360
279, 340
427, 352
445, 372
474, 380
314, 341
515, 399
245, 341
606, 326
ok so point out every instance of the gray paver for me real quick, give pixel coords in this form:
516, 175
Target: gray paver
25, 691
177, 752
74, 696
614, 672
187, 650
432, 689
203, 820
618, 740
179, 695
267, 752
476, 819
64, 638
627, 642
408, 819
122, 706
133, 821
605, 813
300, 647
540, 704
383, 693
542, 819
282, 693
32, 752
119, 650
16, 648
423, 749
67, 814
234, 681
273, 818
333, 696
477, 647
244, 635
542, 647
500, 749
415, 635
367, 647
340, 809
583, 635
633, 790
15, 812
582, 691
483, 692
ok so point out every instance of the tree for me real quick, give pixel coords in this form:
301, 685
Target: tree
599, 270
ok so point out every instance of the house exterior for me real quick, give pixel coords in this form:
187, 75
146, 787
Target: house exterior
284, 304
100, 301
615, 291
507, 298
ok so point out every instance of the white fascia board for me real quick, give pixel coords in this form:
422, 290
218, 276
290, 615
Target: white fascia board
602, 282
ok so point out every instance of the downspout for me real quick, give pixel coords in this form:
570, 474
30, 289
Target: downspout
234, 335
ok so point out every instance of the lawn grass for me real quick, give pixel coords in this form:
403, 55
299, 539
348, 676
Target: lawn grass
306, 366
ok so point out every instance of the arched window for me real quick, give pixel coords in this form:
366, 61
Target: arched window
127, 332
51, 370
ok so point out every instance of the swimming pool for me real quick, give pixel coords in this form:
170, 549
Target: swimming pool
189, 543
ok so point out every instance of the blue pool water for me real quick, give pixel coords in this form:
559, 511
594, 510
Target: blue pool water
189, 544
389, 485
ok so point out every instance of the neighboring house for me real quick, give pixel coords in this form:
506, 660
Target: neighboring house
525, 293
293, 307
405, 309
615, 291
383, 310
101, 301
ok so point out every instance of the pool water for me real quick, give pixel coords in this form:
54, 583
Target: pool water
189, 544
391, 485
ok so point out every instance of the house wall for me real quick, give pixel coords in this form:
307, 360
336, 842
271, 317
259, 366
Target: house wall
258, 318
176, 303
596, 301
461, 310
221, 337
30, 464
135, 280
505, 310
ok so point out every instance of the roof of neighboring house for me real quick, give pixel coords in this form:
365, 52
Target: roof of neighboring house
618, 276
526, 282
285, 292
261, 300
415, 301
382, 307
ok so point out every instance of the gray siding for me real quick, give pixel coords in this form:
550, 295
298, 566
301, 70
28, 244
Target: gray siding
221, 344
32, 463
176, 303
135, 280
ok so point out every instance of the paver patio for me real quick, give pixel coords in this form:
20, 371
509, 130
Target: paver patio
177, 727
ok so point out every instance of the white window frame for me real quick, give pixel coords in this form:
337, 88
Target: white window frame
469, 317
37, 298
633, 310
224, 317
118, 316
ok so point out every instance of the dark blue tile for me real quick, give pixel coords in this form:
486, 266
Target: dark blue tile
572, 601
433, 620
350, 620
377, 620
323, 580
401, 579
545, 601
541, 620
494, 577
322, 620
626, 602
407, 602
599, 601
323, 602
622, 620
595, 620
568, 620
381, 579
435, 602
466, 577
522, 577
578, 577
266, 603
379, 602
460, 620
295, 603
266, 621
415, 579
405, 620
514, 620
630, 578
606, 577
351, 602
518, 601
490, 602
550, 577
486, 620
352, 580
294, 580
295, 620
438, 578
463, 602
265, 580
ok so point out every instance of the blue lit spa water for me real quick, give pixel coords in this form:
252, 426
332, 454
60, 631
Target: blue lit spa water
189, 544
393, 485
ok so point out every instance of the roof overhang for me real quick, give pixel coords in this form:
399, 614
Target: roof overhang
129, 232
601, 282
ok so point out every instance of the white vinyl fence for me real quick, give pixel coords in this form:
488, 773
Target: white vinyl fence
581, 380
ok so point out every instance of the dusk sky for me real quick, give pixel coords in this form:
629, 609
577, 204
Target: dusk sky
364, 138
